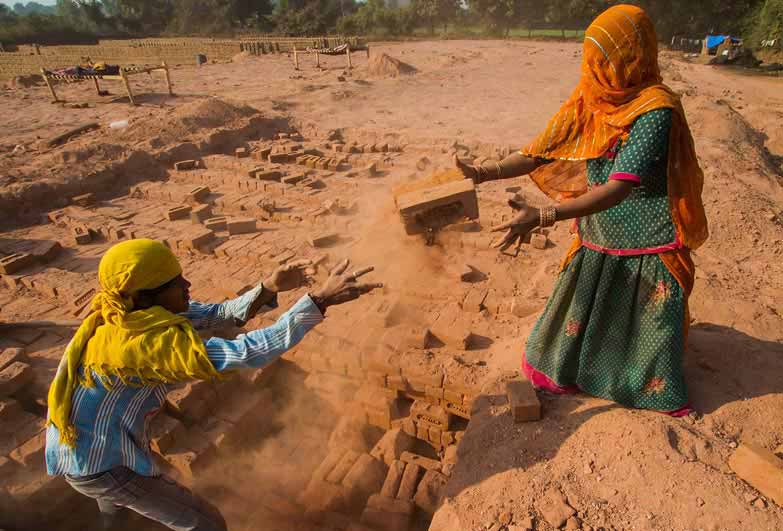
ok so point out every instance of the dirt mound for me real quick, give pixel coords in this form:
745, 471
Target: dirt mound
388, 67
183, 122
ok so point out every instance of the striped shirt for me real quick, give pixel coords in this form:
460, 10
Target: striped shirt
112, 423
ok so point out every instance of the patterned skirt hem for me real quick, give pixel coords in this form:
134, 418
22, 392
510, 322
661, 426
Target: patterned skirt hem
544, 382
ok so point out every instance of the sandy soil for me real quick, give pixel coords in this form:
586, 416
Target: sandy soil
619, 469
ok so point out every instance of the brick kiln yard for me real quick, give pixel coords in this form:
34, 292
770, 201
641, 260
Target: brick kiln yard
398, 401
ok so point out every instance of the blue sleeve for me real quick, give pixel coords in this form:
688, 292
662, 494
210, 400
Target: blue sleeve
260, 347
203, 315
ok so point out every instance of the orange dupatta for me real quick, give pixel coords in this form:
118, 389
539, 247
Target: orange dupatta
620, 81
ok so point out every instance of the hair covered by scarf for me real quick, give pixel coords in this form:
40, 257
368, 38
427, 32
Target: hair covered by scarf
140, 347
620, 81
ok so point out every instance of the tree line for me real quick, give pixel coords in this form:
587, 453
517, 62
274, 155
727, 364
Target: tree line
86, 20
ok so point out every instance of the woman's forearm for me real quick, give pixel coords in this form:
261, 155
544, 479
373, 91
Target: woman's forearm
514, 165
596, 200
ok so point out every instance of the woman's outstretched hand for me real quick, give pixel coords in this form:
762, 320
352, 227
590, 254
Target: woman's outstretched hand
470, 172
527, 219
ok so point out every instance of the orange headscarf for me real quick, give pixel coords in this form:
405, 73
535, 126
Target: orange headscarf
620, 81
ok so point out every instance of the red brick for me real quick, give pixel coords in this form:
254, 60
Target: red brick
391, 484
83, 200
185, 165
263, 153
197, 195
218, 223
458, 198
164, 432
429, 494
9, 356
240, 153
271, 175
14, 377
524, 403
328, 464
340, 470
432, 415
460, 410
409, 482
200, 213
179, 212
45, 251
424, 462
15, 262
241, 226
761, 468
364, 478
538, 241
31, 452
81, 235
324, 239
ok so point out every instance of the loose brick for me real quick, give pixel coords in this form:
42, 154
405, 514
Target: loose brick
429, 494
218, 223
322, 496
293, 179
31, 452
81, 235
263, 153
279, 158
370, 170
365, 477
196, 239
337, 475
15, 262
409, 482
524, 403
9, 356
448, 202
165, 431
392, 445
83, 200
240, 153
432, 415
538, 241
200, 213
328, 464
197, 195
391, 485
241, 226
14, 377
272, 176
761, 468
424, 462
324, 239
460, 410
184, 165
180, 212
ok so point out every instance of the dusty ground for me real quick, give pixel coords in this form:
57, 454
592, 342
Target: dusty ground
619, 469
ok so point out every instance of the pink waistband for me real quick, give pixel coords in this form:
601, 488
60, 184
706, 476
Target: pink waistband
634, 252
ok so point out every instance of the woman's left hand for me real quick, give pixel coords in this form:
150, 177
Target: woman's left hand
526, 220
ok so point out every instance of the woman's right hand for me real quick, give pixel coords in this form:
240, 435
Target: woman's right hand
527, 219
469, 171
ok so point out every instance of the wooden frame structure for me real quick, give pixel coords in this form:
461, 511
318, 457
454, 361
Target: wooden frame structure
124, 75
318, 54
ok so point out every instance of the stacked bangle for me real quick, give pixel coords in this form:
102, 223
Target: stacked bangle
548, 216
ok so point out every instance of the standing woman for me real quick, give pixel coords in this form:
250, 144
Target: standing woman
616, 323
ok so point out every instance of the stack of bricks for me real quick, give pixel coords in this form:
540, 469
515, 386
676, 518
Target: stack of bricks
201, 420
23, 478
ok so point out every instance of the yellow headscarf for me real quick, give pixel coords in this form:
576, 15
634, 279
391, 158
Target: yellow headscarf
139, 347
620, 81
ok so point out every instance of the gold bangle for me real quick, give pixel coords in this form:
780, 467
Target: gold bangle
547, 216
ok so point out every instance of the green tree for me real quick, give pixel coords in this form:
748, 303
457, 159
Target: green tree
498, 16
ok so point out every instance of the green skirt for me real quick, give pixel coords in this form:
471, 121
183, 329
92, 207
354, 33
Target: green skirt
614, 328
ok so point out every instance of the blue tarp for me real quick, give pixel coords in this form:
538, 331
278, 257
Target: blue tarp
717, 40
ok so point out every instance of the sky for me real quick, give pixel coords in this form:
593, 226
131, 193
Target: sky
10, 3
